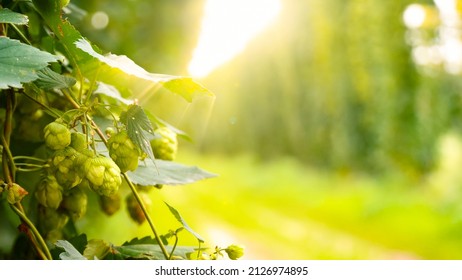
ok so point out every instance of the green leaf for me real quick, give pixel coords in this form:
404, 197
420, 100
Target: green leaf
96, 249
8, 16
148, 251
183, 222
112, 92
133, 80
143, 240
129, 78
19, 63
48, 79
186, 87
70, 253
138, 125
170, 173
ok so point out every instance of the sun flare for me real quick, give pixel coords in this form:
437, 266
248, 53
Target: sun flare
227, 26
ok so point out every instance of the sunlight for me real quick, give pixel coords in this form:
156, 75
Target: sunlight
227, 27
414, 16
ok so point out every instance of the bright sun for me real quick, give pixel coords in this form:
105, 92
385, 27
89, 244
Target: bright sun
227, 26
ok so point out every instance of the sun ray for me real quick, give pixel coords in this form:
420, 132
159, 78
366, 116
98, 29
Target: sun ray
227, 27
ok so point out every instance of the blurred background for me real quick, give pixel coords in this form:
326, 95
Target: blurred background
335, 128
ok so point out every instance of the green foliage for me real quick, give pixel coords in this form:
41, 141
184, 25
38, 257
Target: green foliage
169, 173
19, 62
138, 125
183, 222
70, 102
70, 253
48, 79
8, 16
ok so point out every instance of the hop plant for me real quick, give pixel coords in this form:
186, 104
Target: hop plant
57, 136
134, 209
122, 150
103, 175
64, 167
75, 203
49, 192
166, 145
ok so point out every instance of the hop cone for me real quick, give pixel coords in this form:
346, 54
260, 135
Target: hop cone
103, 175
78, 141
51, 222
124, 153
65, 168
134, 209
164, 147
234, 251
75, 202
57, 136
49, 192
110, 204
15, 193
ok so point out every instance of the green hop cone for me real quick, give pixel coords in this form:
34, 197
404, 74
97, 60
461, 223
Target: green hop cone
57, 136
234, 251
78, 141
122, 150
49, 192
51, 222
75, 202
110, 204
15, 193
103, 175
134, 209
165, 146
65, 168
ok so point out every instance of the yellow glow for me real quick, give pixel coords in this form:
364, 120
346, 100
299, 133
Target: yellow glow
227, 27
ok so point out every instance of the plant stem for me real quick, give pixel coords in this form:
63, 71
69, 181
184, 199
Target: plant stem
25, 219
29, 158
9, 171
20, 34
48, 109
174, 246
148, 217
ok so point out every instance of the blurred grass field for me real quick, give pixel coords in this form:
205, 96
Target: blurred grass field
284, 210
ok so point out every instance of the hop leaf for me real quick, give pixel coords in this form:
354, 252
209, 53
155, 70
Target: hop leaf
165, 146
57, 136
49, 192
138, 126
124, 153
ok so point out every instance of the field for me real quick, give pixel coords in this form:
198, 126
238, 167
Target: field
284, 210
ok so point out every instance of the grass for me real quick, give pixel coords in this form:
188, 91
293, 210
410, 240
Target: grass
284, 210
